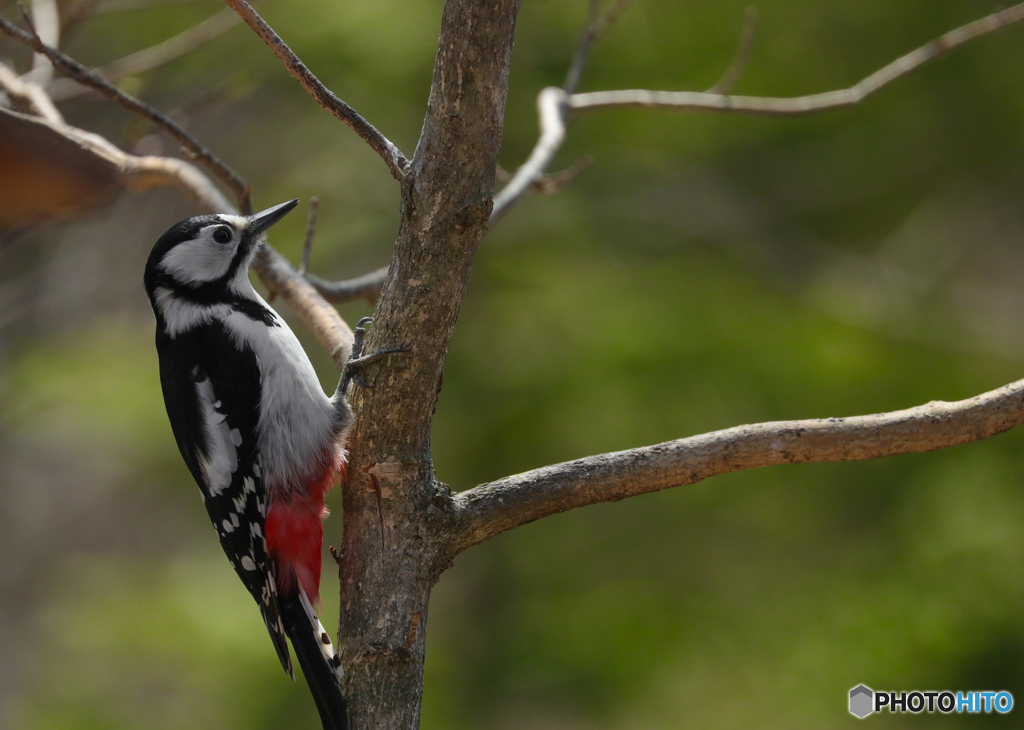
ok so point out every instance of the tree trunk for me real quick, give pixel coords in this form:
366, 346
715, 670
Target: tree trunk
396, 516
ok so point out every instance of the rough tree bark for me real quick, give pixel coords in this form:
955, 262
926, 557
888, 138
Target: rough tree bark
402, 527
393, 508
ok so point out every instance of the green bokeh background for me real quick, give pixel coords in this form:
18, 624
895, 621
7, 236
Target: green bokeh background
706, 271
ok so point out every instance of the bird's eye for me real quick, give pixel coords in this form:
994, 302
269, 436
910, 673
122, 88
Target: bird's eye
222, 235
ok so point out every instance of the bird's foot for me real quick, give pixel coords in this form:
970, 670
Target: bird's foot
357, 360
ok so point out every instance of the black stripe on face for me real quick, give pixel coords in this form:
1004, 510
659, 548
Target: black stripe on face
243, 255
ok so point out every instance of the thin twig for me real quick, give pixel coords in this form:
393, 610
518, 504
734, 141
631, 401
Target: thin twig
133, 172
80, 73
552, 110
141, 173
553, 118
154, 56
550, 103
366, 287
490, 509
550, 182
595, 28
587, 37
323, 320
391, 155
800, 104
28, 96
307, 248
46, 24
739, 63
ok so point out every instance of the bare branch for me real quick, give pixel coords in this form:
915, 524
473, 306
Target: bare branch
366, 287
391, 155
550, 104
552, 109
550, 182
800, 104
307, 248
154, 56
28, 96
141, 173
46, 22
133, 172
323, 320
144, 172
595, 28
739, 64
80, 73
587, 38
490, 509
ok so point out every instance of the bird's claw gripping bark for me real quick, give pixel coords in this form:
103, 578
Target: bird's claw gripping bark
357, 360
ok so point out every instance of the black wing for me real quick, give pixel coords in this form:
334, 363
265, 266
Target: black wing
212, 393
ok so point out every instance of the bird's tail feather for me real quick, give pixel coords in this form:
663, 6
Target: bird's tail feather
276, 630
319, 663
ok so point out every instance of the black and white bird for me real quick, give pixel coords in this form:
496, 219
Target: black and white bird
260, 437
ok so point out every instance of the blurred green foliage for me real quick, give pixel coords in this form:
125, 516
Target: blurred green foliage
707, 271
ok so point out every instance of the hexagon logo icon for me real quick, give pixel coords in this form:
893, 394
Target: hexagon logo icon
861, 701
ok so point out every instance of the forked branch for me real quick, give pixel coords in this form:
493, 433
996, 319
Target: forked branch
28, 96
739, 63
552, 126
391, 155
597, 24
138, 173
550, 108
490, 509
83, 75
131, 172
46, 21
801, 104
367, 287
323, 320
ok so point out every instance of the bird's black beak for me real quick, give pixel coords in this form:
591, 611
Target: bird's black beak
259, 222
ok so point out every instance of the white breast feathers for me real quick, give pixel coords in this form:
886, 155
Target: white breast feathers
297, 420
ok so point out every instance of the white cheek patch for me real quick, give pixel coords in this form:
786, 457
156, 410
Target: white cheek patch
202, 259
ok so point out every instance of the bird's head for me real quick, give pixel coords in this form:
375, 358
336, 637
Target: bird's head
209, 254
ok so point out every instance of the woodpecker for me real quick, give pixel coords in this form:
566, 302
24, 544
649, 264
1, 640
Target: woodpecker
261, 438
